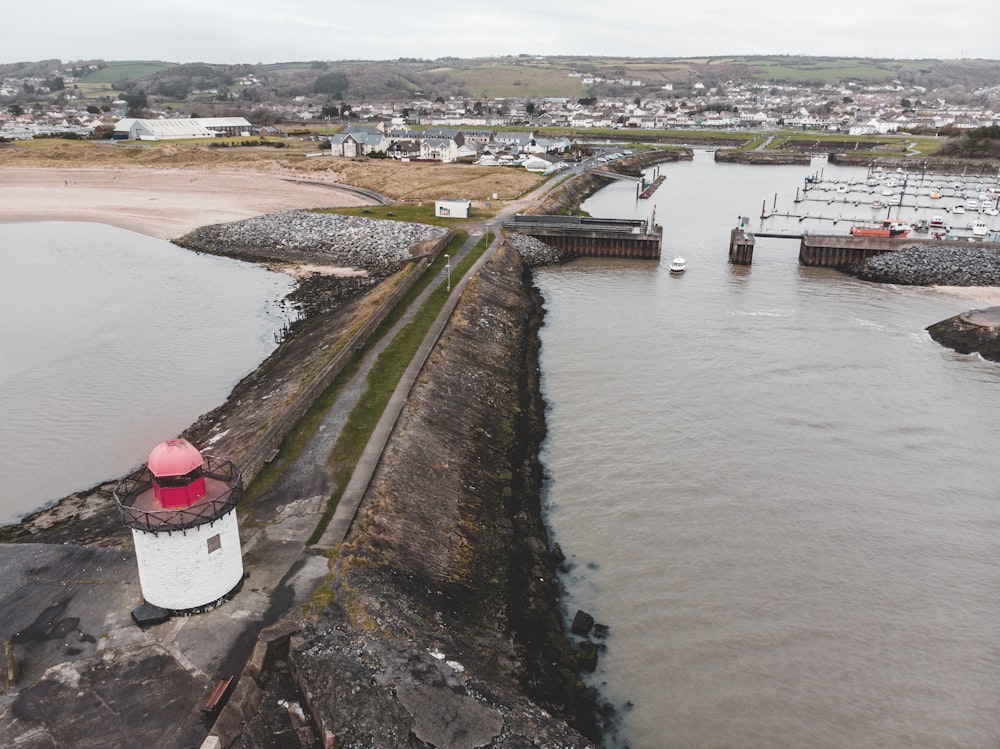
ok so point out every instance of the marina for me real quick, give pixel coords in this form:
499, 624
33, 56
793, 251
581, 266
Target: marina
957, 201
840, 222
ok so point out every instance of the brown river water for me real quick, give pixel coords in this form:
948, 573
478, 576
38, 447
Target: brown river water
779, 493
111, 342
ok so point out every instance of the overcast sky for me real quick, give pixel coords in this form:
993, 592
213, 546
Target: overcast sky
253, 31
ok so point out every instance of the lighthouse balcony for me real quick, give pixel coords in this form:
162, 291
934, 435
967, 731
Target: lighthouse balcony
141, 507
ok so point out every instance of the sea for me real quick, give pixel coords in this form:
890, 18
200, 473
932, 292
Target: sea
779, 494
111, 343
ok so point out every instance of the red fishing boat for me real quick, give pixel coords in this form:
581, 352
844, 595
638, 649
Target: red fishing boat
889, 227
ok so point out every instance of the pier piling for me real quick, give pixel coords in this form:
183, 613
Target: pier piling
741, 245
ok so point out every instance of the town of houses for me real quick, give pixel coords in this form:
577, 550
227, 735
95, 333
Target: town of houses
469, 129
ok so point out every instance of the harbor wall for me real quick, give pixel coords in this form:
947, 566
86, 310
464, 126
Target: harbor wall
844, 250
598, 243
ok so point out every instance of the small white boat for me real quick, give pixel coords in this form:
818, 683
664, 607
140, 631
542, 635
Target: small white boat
979, 228
678, 265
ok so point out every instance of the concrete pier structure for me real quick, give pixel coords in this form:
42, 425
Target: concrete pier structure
741, 245
593, 237
842, 250
838, 250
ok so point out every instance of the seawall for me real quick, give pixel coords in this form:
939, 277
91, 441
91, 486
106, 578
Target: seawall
733, 156
441, 610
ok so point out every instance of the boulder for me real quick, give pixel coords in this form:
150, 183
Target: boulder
582, 623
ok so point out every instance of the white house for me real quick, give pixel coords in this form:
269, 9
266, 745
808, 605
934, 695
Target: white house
358, 142
540, 162
439, 149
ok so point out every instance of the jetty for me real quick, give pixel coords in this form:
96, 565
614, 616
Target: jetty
837, 250
650, 188
583, 236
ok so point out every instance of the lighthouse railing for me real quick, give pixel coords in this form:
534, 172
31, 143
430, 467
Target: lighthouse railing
160, 520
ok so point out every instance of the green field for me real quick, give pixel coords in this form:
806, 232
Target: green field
503, 80
122, 70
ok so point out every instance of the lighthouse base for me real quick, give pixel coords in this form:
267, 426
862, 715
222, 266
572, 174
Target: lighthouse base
190, 570
149, 614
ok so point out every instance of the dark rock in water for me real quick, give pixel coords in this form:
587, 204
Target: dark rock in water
973, 332
582, 623
586, 657
558, 556
601, 631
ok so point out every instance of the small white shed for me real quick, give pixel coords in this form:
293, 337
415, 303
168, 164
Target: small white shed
452, 208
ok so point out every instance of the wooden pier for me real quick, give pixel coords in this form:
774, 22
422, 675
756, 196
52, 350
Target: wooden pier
593, 237
649, 189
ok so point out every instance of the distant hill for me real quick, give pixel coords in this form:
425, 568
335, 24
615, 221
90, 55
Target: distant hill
521, 76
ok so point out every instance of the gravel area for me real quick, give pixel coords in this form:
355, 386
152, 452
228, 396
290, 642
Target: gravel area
930, 266
377, 246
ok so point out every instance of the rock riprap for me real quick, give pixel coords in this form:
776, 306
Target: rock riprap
534, 252
377, 246
934, 266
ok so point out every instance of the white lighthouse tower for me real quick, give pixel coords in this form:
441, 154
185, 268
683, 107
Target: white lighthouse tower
181, 508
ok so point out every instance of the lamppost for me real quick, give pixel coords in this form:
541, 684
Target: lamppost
447, 267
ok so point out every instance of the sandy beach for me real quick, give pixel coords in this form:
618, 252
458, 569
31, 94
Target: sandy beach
162, 203
985, 296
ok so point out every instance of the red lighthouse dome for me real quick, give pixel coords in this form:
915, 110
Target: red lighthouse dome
177, 470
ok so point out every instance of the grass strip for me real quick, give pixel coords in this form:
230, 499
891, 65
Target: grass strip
382, 381
296, 440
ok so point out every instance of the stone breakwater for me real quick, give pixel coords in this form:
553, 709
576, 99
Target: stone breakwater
934, 266
379, 247
536, 253
439, 624
973, 332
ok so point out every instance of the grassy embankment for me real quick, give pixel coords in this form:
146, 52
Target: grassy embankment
381, 383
